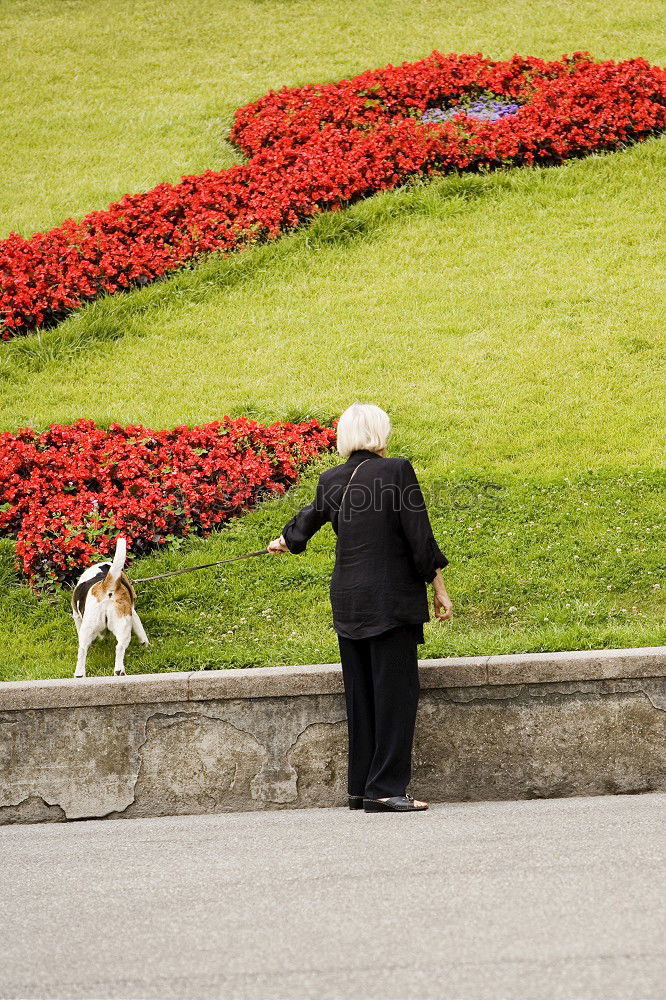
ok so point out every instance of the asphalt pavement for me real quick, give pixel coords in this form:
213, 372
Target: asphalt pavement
557, 898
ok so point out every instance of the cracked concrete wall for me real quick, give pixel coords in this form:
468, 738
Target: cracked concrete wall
165, 759
540, 741
481, 741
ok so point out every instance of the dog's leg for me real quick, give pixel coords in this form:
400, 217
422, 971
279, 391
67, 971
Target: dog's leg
138, 629
91, 625
122, 629
85, 639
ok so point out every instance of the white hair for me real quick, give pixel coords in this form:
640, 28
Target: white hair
363, 426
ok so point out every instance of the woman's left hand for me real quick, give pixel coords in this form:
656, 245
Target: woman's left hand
443, 607
441, 600
277, 546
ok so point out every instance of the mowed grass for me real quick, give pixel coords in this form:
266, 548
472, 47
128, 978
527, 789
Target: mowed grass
537, 563
512, 320
104, 97
512, 325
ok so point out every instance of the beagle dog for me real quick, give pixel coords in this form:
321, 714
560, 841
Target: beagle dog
104, 599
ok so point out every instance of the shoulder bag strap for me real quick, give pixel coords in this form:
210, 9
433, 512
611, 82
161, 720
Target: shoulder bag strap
349, 482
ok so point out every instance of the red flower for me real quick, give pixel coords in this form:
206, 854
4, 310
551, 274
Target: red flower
321, 147
68, 492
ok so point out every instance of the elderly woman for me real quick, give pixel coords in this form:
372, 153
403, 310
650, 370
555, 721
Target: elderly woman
385, 555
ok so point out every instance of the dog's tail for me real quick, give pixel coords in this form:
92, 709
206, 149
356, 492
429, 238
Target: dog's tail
118, 563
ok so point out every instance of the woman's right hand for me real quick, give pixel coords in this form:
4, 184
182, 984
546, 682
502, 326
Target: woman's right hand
277, 546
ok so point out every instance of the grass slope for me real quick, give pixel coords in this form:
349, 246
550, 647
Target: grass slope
513, 326
537, 563
102, 97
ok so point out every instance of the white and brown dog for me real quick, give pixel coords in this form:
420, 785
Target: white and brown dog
104, 599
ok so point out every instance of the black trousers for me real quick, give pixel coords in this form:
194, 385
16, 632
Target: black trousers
381, 682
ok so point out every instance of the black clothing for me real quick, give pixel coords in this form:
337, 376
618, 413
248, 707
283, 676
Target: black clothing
385, 551
385, 555
381, 681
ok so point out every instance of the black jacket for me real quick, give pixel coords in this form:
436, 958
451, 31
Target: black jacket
385, 553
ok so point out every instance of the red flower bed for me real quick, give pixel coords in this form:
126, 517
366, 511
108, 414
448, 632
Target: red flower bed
68, 492
321, 147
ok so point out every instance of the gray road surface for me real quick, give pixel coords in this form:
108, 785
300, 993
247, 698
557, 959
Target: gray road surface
544, 899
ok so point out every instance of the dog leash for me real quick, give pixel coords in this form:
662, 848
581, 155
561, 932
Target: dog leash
248, 555
191, 569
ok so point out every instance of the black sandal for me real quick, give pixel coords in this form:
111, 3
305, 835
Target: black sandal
397, 803
355, 801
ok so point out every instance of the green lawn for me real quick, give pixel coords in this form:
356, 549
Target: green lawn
512, 325
102, 97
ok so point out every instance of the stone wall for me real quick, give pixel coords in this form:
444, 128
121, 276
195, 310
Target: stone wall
499, 727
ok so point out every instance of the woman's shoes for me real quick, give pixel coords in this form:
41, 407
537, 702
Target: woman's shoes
397, 803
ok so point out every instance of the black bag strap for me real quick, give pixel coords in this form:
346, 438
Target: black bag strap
349, 481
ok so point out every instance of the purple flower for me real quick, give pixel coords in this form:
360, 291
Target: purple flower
483, 109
